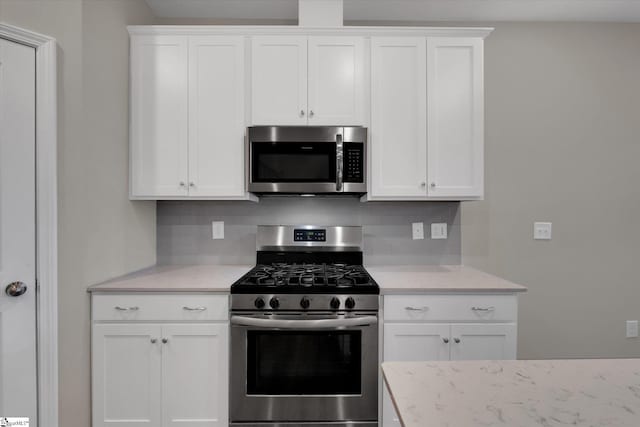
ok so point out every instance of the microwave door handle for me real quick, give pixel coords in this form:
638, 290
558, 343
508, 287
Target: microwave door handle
304, 324
339, 161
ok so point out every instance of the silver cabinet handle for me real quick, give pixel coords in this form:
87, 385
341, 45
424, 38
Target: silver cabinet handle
483, 309
154, 340
446, 340
182, 184
301, 113
192, 184
423, 184
422, 309
457, 340
134, 308
165, 340
433, 185
311, 114
339, 165
194, 308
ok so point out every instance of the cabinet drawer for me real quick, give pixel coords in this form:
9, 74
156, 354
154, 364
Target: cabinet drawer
132, 307
472, 308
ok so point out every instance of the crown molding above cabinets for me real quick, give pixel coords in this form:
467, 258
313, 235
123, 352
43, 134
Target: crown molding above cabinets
195, 89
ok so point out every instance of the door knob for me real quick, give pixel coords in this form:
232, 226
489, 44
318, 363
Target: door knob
16, 289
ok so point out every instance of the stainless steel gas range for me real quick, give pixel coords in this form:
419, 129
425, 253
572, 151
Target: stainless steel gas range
304, 332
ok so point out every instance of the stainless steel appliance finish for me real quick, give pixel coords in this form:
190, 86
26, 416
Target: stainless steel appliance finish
306, 159
283, 237
304, 332
296, 331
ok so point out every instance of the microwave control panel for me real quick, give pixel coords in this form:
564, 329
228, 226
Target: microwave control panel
353, 162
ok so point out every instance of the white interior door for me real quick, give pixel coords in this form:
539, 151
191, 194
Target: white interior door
17, 231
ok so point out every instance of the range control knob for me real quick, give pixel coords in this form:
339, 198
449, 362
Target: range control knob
259, 302
350, 303
335, 303
274, 303
304, 302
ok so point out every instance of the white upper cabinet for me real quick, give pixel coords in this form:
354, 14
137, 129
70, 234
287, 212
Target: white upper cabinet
159, 111
398, 117
336, 81
455, 117
279, 80
216, 116
300, 80
427, 118
187, 116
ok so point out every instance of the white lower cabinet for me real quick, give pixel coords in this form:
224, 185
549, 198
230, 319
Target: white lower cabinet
159, 374
446, 327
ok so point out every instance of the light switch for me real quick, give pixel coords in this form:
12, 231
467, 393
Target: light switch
417, 230
542, 230
632, 329
217, 230
439, 230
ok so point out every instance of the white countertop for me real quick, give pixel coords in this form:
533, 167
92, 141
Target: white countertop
392, 279
176, 278
411, 279
517, 393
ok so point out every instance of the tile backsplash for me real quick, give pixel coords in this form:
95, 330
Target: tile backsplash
184, 228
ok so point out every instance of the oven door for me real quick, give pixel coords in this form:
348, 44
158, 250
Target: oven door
304, 368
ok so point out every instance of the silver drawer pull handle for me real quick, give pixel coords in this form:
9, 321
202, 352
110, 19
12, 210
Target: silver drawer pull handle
134, 308
483, 308
457, 340
194, 308
446, 340
408, 308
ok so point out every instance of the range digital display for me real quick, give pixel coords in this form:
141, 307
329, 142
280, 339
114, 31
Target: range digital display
300, 235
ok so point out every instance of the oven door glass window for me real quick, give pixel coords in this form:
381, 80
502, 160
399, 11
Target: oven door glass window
304, 362
293, 162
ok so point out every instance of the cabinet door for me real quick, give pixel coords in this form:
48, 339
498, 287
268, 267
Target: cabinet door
279, 80
336, 81
483, 341
455, 117
216, 116
158, 116
195, 375
411, 342
398, 112
126, 375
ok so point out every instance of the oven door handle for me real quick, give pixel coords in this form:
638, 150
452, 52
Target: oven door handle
304, 324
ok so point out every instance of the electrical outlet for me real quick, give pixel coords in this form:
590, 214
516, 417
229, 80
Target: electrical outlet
632, 329
542, 230
439, 230
217, 230
417, 230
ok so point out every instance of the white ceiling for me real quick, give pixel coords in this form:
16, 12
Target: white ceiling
412, 10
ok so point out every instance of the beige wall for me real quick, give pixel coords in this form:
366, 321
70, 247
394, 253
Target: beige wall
563, 145
101, 233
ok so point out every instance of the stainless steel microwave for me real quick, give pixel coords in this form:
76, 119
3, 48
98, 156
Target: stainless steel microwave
307, 159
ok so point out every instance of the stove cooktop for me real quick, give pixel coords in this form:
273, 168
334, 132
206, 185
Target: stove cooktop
282, 278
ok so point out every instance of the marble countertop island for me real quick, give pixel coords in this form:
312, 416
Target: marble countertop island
516, 393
